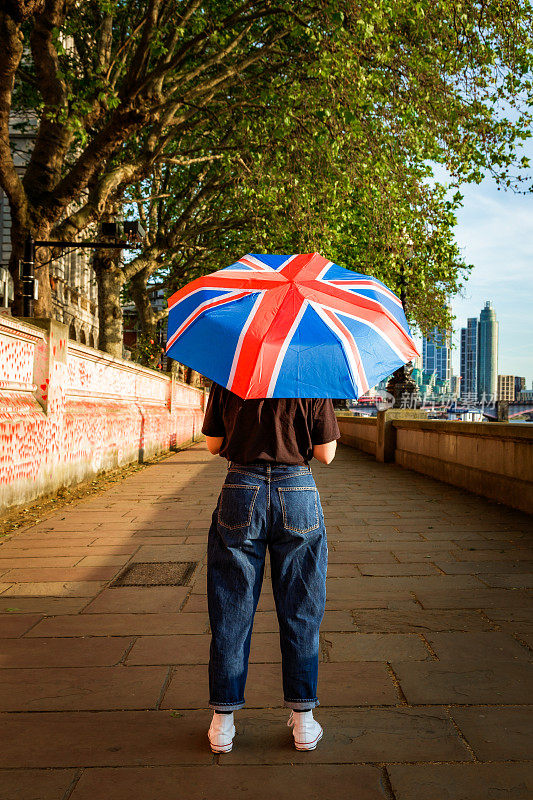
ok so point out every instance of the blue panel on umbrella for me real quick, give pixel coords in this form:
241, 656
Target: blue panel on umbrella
209, 344
336, 273
271, 260
181, 311
314, 362
379, 358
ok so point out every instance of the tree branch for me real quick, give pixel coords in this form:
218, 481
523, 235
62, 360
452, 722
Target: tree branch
11, 43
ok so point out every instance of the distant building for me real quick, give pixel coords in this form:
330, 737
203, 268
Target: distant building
469, 359
72, 279
519, 385
455, 385
6, 289
487, 364
506, 387
436, 354
131, 326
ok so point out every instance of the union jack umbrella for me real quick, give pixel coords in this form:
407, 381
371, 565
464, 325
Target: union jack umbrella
289, 326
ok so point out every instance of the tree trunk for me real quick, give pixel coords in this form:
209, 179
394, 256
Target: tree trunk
192, 377
110, 278
145, 311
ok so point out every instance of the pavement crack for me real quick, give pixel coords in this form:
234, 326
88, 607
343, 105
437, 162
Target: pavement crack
164, 688
396, 683
415, 598
74, 782
461, 735
325, 647
429, 647
128, 650
386, 784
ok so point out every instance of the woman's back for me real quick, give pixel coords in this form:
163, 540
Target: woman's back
282, 430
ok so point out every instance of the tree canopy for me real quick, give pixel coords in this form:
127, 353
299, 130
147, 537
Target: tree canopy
253, 126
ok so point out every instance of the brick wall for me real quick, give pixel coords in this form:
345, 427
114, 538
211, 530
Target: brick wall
68, 412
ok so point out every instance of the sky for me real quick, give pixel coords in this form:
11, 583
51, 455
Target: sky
495, 234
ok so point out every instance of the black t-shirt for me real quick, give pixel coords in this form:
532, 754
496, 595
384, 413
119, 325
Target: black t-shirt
277, 429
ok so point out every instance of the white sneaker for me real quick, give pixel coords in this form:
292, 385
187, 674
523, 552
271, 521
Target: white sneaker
306, 730
221, 733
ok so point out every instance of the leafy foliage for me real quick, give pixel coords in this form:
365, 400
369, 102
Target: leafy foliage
292, 127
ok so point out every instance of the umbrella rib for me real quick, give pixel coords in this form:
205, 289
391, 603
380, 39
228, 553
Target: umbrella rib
371, 285
349, 346
199, 310
369, 305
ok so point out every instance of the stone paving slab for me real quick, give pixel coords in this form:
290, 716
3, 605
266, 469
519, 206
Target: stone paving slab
37, 784
497, 733
43, 605
460, 681
354, 735
425, 647
367, 647
96, 739
52, 589
80, 689
144, 599
120, 624
67, 652
462, 781
418, 620
283, 782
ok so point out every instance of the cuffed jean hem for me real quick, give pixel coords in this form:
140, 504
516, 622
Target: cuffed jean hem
226, 706
301, 705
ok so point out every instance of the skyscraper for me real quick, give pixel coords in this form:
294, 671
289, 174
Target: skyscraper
436, 354
487, 363
469, 358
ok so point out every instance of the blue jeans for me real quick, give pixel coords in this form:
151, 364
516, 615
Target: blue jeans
276, 506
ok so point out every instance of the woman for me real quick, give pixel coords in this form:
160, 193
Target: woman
269, 499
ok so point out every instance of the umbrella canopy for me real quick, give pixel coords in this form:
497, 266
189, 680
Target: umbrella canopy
289, 326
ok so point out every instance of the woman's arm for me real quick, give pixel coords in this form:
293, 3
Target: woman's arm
325, 452
214, 443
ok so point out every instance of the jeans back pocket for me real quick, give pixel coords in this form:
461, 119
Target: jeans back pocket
236, 505
299, 507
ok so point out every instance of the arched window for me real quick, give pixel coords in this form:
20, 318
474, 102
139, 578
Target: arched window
72, 332
82, 337
92, 340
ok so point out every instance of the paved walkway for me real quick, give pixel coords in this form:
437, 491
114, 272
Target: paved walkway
424, 678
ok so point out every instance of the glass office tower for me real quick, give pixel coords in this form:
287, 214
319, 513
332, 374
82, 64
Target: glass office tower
487, 362
469, 358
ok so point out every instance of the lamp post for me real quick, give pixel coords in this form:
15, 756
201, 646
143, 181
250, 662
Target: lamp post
401, 383
133, 230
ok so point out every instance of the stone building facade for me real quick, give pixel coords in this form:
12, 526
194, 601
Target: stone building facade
72, 279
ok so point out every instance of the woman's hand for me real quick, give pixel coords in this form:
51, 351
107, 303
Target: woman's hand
214, 443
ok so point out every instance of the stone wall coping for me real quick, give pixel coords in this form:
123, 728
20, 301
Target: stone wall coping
358, 420
91, 354
21, 330
493, 430
498, 430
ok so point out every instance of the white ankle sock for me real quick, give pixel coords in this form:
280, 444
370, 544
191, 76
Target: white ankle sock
304, 716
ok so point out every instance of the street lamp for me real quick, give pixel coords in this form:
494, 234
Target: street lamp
401, 382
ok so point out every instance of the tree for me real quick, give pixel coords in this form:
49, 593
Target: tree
314, 122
